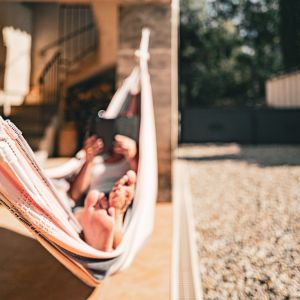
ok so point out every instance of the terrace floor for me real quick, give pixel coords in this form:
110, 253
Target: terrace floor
30, 272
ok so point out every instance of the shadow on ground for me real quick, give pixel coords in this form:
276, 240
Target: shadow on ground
28, 271
265, 156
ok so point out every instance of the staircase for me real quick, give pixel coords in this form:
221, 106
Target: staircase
77, 41
32, 120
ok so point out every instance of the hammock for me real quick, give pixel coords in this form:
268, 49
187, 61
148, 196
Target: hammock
27, 191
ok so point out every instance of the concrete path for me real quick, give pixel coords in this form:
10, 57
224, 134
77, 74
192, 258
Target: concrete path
30, 272
149, 276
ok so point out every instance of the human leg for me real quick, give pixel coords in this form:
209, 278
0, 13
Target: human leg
120, 198
98, 224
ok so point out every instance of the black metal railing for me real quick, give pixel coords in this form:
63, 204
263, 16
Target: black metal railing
78, 38
78, 34
49, 82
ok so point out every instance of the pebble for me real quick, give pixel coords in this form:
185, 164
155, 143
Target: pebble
247, 215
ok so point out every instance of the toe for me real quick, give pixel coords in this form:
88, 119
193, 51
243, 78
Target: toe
103, 202
91, 199
115, 194
131, 177
112, 212
123, 180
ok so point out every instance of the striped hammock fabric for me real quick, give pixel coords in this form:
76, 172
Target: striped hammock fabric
26, 190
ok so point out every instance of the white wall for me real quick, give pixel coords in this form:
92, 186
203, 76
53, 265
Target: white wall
8, 13
284, 90
40, 20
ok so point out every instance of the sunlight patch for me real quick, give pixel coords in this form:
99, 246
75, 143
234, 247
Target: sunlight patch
17, 67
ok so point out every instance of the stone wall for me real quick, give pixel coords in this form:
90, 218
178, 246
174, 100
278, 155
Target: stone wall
157, 17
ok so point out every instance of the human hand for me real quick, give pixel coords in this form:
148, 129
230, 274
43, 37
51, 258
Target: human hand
125, 146
92, 147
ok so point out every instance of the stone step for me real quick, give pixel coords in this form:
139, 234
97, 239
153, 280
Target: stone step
33, 142
30, 111
28, 121
33, 130
32, 120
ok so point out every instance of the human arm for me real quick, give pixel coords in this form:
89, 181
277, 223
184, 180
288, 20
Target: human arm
127, 147
92, 147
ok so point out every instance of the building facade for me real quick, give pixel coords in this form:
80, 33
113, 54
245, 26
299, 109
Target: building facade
117, 34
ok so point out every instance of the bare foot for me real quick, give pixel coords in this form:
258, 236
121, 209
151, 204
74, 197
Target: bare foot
120, 198
98, 224
122, 193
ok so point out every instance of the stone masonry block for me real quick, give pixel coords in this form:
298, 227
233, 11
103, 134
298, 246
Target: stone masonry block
156, 17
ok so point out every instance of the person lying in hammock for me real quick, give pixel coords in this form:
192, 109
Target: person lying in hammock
102, 220
111, 192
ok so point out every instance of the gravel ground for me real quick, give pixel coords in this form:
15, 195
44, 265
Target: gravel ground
246, 204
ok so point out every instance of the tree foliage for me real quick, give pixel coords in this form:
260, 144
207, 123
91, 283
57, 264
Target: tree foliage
228, 48
290, 33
